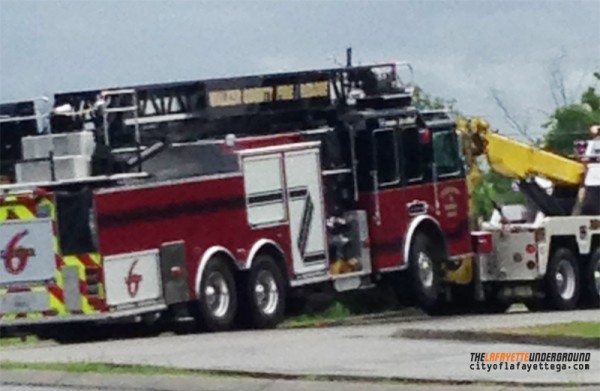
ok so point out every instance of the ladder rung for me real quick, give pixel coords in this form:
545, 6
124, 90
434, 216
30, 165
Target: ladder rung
17, 119
128, 149
118, 92
120, 109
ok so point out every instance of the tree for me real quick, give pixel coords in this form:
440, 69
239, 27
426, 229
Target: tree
521, 127
423, 101
572, 122
493, 188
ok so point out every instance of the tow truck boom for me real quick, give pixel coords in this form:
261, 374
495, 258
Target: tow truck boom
516, 159
525, 163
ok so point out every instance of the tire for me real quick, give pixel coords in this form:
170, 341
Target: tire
424, 269
265, 294
591, 281
216, 305
562, 282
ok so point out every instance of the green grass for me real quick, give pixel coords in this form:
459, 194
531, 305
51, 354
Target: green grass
94, 367
18, 341
336, 312
571, 329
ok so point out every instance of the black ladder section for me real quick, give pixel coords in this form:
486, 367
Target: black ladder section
155, 124
244, 106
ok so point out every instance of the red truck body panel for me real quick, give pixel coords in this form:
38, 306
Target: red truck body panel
204, 212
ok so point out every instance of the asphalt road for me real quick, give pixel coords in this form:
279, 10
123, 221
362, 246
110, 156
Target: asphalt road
358, 351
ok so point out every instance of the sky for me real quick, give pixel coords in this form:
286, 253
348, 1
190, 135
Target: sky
461, 50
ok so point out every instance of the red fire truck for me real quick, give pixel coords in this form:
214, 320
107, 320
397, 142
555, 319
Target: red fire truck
225, 194
222, 196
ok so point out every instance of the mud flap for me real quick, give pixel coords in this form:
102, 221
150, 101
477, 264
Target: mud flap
71, 292
174, 273
460, 270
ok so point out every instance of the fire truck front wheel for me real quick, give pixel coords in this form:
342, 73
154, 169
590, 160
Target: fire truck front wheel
562, 280
265, 294
425, 261
216, 306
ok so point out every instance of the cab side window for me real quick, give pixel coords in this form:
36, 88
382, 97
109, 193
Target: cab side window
386, 157
446, 154
364, 155
412, 155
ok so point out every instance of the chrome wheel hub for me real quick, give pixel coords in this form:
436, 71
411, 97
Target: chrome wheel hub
425, 265
266, 293
565, 280
597, 277
216, 295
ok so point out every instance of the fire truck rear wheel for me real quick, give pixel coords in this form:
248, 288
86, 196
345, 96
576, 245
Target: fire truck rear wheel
591, 280
562, 280
265, 294
216, 306
425, 262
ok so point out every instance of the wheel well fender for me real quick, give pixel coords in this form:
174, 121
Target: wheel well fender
270, 247
209, 254
566, 241
559, 241
427, 225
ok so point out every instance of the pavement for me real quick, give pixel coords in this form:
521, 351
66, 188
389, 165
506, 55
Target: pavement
342, 353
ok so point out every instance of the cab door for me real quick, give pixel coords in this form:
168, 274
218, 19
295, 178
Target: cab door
387, 200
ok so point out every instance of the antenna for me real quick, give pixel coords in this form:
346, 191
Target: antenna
349, 56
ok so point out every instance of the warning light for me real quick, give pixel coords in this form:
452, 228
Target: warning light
530, 249
424, 136
580, 147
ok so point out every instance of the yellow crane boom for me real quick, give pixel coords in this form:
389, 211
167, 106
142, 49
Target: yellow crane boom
513, 158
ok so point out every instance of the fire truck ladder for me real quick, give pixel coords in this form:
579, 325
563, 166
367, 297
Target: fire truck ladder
117, 98
247, 105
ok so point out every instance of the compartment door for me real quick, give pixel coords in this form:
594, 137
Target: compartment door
306, 211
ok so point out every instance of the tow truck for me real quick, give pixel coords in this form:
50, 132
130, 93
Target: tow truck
546, 254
